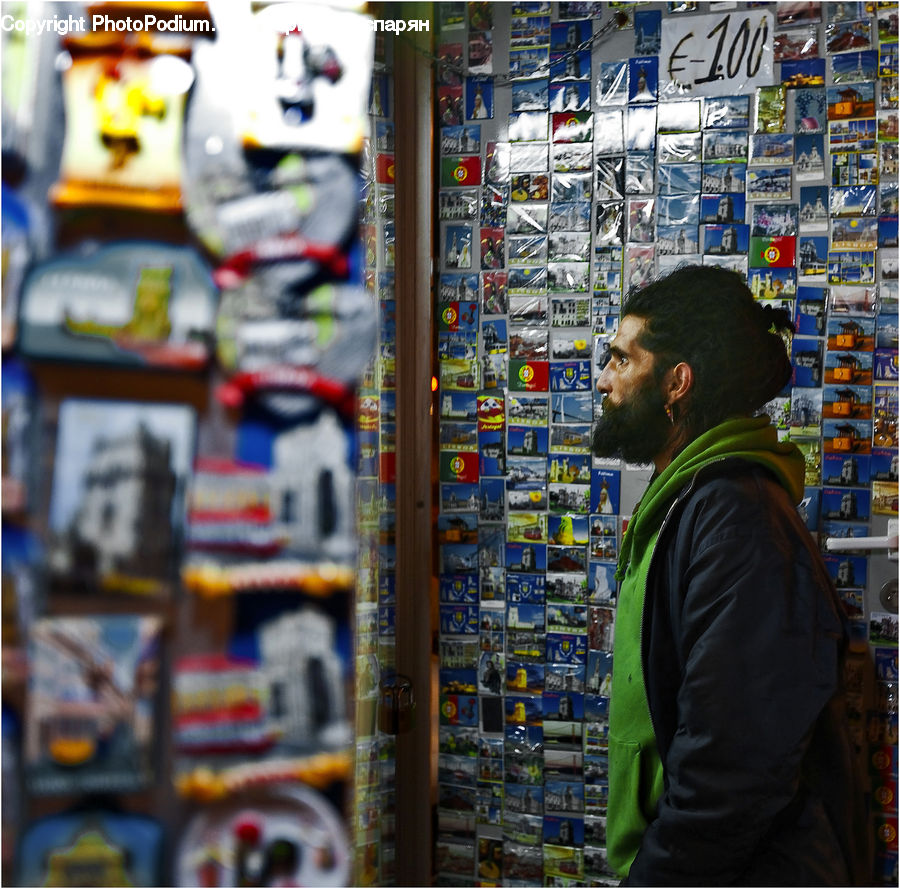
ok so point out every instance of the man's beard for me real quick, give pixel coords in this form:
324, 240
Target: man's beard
637, 430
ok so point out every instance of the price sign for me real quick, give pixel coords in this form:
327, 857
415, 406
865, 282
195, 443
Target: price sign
716, 55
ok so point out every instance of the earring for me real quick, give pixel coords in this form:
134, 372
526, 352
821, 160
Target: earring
670, 414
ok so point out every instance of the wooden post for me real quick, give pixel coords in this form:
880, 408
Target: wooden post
414, 185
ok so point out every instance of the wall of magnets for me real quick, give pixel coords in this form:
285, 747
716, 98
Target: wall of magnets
585, 148
376, 803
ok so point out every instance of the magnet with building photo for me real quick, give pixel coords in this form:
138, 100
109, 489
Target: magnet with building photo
273, 543
847, 570
810, 309
846, 504
796, 73
727, 178
570, 96
574, 216
806, 359
568, 277
725, 146
840, 468
570, 246
884, 497
813, 214
116, 510
721, 208
288, 663
527, 410
571, 66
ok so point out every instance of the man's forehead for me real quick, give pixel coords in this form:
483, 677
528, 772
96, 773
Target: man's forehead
630, 329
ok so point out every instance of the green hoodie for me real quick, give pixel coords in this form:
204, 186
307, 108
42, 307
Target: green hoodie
635, 770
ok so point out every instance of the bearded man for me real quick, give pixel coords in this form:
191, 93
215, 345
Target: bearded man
730, 758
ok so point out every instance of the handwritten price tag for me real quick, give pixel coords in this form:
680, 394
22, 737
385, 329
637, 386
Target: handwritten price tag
716, 55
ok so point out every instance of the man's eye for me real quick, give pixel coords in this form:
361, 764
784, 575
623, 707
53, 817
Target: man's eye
623, 360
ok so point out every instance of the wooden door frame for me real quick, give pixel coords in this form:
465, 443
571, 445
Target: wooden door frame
414, 250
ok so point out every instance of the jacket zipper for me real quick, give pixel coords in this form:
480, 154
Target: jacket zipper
681, 496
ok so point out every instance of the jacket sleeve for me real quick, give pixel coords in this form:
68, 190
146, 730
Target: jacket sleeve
757, 639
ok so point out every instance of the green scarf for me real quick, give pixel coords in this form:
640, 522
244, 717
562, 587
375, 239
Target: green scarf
635, 770
749, 438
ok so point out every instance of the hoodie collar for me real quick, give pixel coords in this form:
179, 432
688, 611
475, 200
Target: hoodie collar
747, 438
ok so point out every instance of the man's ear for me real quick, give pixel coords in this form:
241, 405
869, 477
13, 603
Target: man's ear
680, 382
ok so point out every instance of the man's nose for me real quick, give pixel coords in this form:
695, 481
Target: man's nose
603, 381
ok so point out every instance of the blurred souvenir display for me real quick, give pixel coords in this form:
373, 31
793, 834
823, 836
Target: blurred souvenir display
185, 327
200, 302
